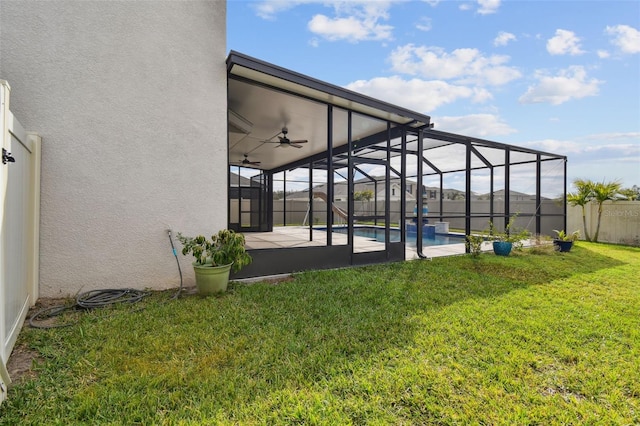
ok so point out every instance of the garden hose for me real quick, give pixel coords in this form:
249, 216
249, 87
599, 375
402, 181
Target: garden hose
175, 254
89, 300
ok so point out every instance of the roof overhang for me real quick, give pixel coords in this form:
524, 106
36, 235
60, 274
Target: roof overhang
270, 75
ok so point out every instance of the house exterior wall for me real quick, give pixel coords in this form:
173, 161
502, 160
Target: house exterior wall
130, 100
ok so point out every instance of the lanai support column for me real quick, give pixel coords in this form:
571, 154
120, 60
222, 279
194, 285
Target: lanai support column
565, 195
538, 195
467, 198
329, 175
491, 195
311, 201
387, 204
507, 185
419, 195
284, 198
441, 196
403, 187
350, 191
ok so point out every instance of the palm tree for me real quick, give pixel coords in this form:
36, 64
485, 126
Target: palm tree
630, 194
603, 191
581, 198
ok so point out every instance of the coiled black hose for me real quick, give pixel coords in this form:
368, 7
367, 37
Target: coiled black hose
89, 300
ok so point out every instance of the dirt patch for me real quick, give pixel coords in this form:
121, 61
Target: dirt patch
20, 365
21, 361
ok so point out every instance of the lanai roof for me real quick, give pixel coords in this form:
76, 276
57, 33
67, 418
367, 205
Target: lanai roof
263, 98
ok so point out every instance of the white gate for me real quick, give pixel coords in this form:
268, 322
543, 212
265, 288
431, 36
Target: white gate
19, 228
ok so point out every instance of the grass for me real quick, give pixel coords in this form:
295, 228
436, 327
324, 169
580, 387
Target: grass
526, 339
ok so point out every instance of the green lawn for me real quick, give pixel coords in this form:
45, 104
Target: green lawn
528, 339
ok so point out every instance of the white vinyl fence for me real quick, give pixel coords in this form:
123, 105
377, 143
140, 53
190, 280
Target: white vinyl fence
19, 230
619, 222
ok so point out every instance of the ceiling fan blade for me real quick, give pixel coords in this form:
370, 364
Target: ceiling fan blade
295, 145
300, 141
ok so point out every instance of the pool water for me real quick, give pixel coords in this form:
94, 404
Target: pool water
378, 235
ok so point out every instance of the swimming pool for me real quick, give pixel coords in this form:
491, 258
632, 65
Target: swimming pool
377, 234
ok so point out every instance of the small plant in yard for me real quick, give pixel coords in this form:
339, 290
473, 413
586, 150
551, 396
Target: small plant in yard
511, 234
562, 236
541, 244
474, 244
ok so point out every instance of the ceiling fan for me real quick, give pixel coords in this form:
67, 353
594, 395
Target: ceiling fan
246, 162
284, 142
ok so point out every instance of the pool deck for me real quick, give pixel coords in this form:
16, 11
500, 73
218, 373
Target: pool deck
298, 236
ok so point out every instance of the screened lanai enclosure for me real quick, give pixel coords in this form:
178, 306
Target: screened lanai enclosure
323, 177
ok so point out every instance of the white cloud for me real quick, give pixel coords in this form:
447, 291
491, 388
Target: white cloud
561, 147
570, 83
613, 145
564, 43
479, 125
631, 136
485, 7
626, 38
350, 29
488, 6
432, 3
597, 157
504, 38
466, 65
268, 9
354, 21
424, 24
603, 54
418, 95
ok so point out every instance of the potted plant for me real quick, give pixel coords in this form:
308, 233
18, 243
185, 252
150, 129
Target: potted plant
215, 258
564, 241
503, 242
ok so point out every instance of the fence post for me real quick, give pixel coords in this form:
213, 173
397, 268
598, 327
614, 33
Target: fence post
5, 380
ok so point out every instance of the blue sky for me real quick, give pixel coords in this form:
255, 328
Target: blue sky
559, 76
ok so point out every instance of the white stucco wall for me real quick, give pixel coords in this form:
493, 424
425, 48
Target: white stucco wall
130, 100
